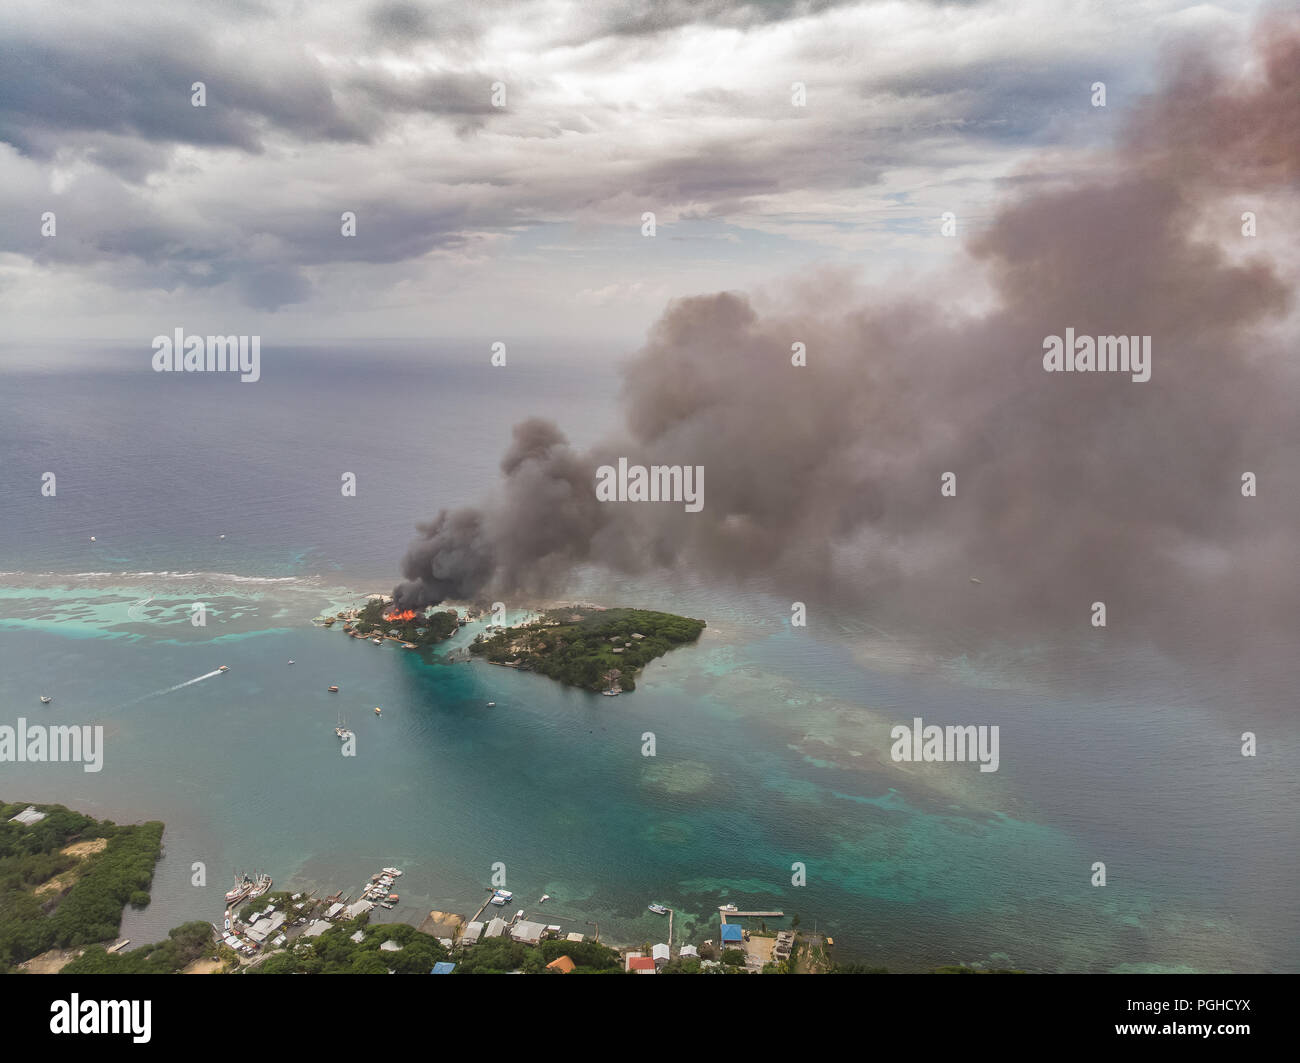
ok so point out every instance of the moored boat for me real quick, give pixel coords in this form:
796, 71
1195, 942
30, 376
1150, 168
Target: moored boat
244, 886
334, 690
46, 699
658, 909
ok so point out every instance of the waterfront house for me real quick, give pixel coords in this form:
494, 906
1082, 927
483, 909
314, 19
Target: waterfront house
641, 964
496, 928
562, 965
732, 936
527, 933
443, 967
689, 952
473, 931
661, 954
28, 816
266, 927
356, 908
575, 937
334, 909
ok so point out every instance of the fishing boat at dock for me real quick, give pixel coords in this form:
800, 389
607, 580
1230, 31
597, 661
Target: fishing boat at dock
244, 886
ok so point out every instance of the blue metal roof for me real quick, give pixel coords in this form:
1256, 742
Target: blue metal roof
731, 932
443, 967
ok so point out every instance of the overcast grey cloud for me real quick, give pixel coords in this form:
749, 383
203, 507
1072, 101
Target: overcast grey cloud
611, 110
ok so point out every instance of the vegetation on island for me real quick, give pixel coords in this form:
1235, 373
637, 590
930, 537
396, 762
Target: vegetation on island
51, 897
183, 946
412, 625
596, 649
334, 952
501, 955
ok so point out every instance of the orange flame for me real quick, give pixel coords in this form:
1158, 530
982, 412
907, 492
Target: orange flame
402, 617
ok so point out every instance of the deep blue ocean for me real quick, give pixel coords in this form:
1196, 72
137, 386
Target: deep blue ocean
772, 742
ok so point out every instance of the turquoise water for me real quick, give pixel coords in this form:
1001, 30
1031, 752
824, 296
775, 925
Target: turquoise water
769, 752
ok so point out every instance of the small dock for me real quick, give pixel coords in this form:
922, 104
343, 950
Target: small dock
483, 908
752, 915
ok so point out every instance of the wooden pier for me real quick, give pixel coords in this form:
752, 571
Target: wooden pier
751, 915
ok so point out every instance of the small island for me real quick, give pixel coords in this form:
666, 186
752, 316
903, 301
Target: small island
380, 619
596, 649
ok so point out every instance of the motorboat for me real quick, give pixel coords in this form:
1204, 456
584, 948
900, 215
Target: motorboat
334, 690
658, 909
46, 699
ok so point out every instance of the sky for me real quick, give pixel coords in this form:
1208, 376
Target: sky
500, 157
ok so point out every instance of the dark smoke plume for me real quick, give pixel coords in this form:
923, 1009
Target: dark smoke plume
1071, 488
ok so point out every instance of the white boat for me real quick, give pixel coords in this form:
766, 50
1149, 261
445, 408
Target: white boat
243, 887
46, 699
545, 897
658, 909
505, 893
974, 580
291, 662
492, 705
391, 871
611, 693
343, 733
500, 902
728, 908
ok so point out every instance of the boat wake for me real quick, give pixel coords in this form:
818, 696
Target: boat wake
178, 686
